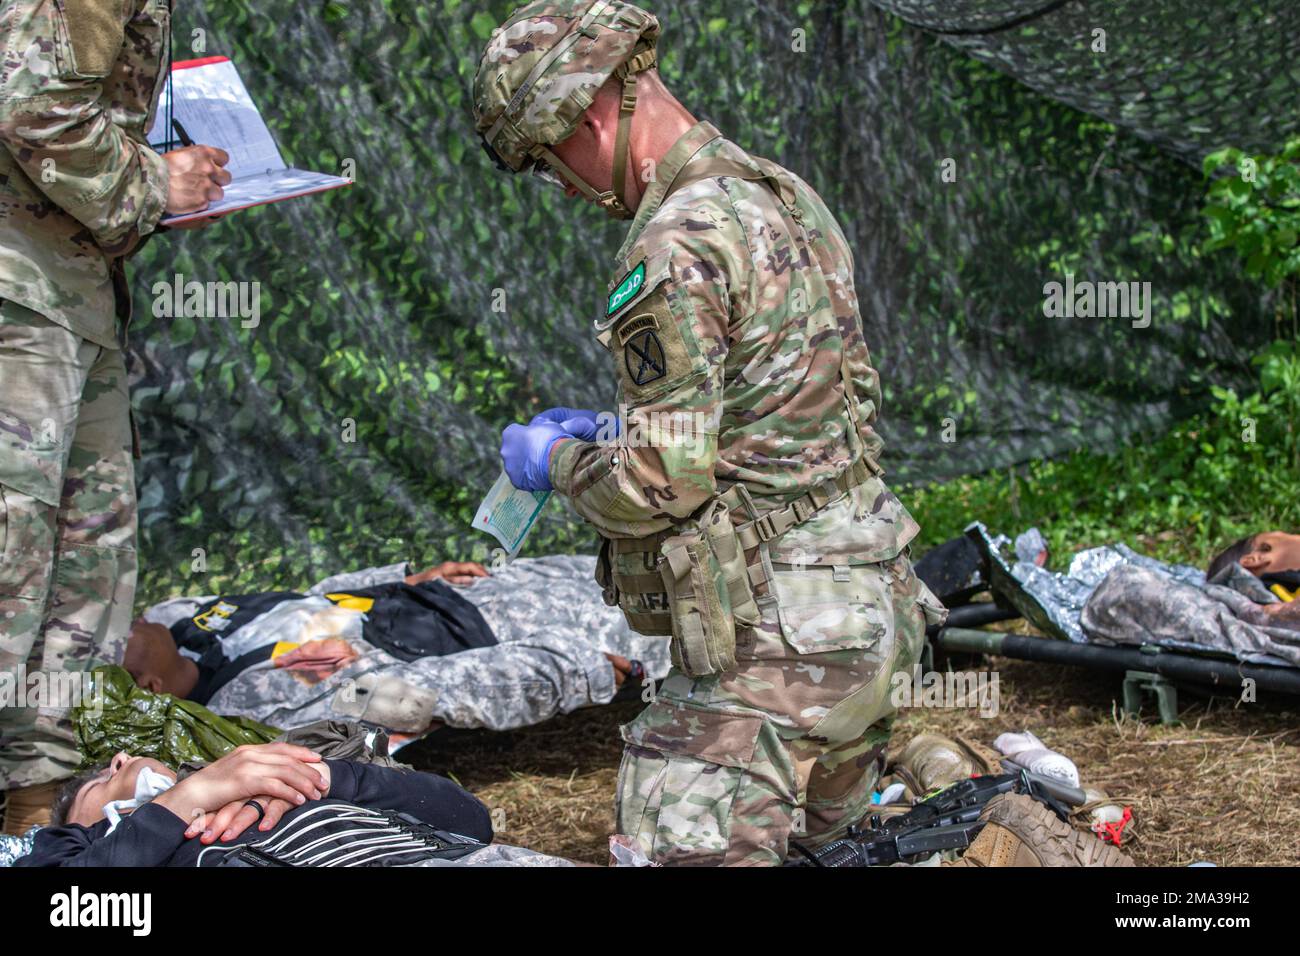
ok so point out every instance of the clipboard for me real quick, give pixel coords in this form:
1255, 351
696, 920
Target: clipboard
205, 102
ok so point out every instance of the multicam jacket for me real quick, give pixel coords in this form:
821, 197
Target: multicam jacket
79, 187
733, 332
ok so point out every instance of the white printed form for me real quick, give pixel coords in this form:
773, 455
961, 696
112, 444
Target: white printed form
508, 514
210, 106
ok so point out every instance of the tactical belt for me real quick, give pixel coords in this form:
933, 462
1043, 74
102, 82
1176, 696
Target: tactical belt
750, 533
768, 524
774, 523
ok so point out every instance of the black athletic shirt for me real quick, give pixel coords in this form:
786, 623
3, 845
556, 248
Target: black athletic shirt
154, 836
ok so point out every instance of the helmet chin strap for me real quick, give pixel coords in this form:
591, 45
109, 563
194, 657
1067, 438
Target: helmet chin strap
611, 200
607, 200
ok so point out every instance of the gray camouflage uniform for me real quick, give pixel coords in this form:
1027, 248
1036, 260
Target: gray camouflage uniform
553, 630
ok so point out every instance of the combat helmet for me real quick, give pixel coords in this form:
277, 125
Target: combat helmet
540, 73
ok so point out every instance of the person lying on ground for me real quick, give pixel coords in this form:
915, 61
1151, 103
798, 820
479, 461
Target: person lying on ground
405, 650
256, 799
1274, 558
1264, 553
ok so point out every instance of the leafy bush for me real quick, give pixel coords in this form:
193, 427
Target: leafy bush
1230, 471
1180, 496
1253, 206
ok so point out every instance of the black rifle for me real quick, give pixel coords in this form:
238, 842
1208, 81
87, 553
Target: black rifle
949, 820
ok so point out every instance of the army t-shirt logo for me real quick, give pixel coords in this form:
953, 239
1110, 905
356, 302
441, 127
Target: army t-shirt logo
644, 355
217, 617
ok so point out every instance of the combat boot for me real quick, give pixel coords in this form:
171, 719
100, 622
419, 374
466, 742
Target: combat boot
1020, 831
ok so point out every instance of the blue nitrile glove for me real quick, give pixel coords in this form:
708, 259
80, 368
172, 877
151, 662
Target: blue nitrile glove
526, 453
581, 423
578, 422
562, 414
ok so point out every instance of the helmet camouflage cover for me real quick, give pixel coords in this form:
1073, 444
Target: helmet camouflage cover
540, 73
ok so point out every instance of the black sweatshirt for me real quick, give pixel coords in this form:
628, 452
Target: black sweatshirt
154, 836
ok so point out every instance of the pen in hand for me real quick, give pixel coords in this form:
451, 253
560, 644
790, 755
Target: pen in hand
180, 131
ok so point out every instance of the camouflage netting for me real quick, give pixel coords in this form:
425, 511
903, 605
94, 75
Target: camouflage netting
1189, 77
422, 309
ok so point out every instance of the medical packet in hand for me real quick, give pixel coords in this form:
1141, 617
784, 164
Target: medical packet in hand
508, 514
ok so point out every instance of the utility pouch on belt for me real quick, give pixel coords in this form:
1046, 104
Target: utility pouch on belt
690, 582
708, 591
704, 635
725, 544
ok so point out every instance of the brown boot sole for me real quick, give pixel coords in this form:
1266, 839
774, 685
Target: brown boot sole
1016, 818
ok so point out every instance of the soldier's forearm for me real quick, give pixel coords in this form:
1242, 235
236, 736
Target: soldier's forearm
565, 456
88, 167
632, 491
586, 473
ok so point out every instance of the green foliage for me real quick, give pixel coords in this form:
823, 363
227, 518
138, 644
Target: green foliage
1280, 385
1181, 496
1253, 208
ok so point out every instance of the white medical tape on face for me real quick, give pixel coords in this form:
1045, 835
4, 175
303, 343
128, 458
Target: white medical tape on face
148, 784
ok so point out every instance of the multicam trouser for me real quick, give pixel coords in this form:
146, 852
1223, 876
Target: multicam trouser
727, 769
67, 529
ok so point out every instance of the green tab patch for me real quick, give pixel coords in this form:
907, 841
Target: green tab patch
626, 290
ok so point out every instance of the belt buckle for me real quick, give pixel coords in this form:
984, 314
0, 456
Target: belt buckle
765, 527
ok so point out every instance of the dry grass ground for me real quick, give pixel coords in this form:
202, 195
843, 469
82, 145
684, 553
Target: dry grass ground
1223, 787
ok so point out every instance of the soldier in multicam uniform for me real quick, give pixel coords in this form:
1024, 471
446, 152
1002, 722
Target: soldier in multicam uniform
79, 191
771, 550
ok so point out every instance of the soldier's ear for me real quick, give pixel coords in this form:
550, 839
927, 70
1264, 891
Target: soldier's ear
150, 682
1252, 560
589, 128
